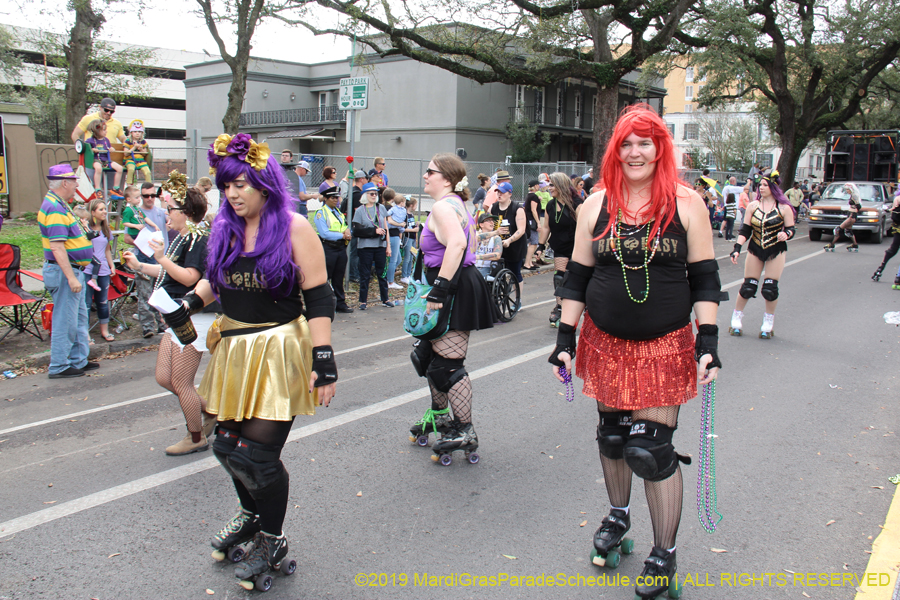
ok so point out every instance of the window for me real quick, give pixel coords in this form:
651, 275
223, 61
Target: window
323, 106
703, 77
560, 105
520, 102
765, 160
689, 92
691, 131
819, 162
688, 108
539, 105
689, 74
671, 127
578, 109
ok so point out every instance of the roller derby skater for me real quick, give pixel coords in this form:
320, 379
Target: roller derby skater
644, 244
279, 339
768, 225
846, 227
449, 258
895, 239
558, 228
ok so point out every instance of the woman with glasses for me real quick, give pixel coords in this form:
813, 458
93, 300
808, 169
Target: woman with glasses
177, 271
448, 242
370, 229
558, 227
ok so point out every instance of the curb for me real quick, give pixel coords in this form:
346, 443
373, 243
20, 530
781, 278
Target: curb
42, 359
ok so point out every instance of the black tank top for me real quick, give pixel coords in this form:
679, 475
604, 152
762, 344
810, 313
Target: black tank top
248, 300
668, 306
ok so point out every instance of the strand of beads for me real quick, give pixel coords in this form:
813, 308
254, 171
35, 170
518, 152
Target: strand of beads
707, 497
174, 247
567, 381
648, 256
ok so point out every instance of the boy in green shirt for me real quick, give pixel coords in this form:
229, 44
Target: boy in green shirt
133, 217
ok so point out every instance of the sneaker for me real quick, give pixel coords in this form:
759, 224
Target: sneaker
404, 280
362, 306
91, 366
187, 446
70, 372
720, 234
343, 309
387, 304
394, 286
148, 334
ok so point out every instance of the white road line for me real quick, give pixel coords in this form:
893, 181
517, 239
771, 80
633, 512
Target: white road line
118, 492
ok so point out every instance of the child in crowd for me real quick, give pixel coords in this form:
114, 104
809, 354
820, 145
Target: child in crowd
409, 239
136, 151
82, 213
133, 218
396, 219
101, 148
490, 246
102, 265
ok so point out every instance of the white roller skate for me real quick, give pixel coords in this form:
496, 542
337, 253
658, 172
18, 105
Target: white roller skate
737, 318
768, 324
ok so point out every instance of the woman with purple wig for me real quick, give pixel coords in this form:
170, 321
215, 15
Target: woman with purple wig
768, 224
267, 268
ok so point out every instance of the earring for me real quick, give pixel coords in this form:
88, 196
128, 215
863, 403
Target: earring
265, 193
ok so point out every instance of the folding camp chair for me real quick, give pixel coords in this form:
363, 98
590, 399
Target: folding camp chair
121, 288
26, 308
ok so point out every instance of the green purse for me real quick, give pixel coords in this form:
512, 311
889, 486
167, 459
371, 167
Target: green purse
417, 320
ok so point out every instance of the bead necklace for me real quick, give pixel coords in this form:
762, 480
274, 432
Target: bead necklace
567, 381
620, 231
707, 497
172, 252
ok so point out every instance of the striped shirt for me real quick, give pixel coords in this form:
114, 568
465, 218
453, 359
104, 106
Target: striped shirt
58, 224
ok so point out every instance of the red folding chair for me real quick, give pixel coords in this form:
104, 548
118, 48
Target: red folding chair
121, 288
26, 308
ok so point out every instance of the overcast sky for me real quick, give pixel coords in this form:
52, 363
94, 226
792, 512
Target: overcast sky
170, 24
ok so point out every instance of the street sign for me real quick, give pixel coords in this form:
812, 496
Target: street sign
4, 186
354, 94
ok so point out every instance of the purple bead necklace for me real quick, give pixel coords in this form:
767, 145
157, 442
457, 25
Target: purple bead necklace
567, 381
707, 498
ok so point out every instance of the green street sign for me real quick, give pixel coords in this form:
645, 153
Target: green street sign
354, 93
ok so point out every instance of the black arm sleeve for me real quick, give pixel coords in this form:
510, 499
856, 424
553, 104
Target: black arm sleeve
575, 282
319, 301
703, 277
746, 231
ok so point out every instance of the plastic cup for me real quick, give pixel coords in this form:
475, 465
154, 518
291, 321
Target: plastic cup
182, 327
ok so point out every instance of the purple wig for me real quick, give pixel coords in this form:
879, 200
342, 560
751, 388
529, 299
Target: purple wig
273, 254
775, 188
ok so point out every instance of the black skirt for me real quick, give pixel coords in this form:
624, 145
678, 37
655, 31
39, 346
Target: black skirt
769, 253
473, 308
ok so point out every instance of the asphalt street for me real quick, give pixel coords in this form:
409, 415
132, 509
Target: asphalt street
91, 507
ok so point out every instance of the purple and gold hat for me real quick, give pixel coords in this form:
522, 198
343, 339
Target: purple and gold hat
63, 171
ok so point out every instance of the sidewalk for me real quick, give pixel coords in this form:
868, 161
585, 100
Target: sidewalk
32, 285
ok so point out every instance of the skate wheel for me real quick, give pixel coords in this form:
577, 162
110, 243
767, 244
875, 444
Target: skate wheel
264, 583
473, 458
446, 459
235, 554
734, 332
612, 559
288, 567
597, 559
627, 546
675, 588
422, 440
218, 555
246, 584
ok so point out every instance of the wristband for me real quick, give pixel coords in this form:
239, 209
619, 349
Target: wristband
707, 342
323, 365
541, 247
565, 342
737, 250
439, 291
194, 303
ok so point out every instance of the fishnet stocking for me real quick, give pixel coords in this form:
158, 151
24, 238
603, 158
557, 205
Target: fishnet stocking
616, 473
175, 371
664, 497
454, 344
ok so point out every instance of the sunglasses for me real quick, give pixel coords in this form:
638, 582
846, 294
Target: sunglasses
109, 111
171, 208
431, 172
149, 196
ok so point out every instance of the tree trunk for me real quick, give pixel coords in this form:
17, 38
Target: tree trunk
606, 104
791, 149
78, 54
232, 119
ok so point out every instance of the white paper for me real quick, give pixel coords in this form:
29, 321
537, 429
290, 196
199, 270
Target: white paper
142, 241
161, 301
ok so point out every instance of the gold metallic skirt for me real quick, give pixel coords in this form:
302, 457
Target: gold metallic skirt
261, 375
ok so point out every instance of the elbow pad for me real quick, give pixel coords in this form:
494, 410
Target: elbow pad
319, 302
575, 282
703, 277
746, 231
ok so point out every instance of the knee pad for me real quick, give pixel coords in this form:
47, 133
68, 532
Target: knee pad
748, 288
445, 372
649, 451
259, 468
558, 280
421, 356
224, 445
612, 433
770, 289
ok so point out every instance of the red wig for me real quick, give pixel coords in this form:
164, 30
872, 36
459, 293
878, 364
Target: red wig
642, 121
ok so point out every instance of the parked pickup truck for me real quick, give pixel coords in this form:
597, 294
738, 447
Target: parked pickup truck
834, 207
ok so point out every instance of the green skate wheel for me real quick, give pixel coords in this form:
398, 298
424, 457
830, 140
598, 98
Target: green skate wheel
612, 559
675, 588
627, 546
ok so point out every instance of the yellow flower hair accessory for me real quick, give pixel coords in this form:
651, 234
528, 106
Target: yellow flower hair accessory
242, 146
176, 185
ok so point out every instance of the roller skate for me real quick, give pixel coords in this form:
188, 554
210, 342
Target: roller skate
736, 328
658, 576
896, 285
240, 529
829, 247
765, 332
460, 437
877, 274
433, 421
268, 553
555, 316
854, 247
610, 536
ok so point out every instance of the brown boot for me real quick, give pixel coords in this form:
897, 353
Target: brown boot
187, 446
209, 425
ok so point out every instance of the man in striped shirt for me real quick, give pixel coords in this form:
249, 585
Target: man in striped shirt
66, 252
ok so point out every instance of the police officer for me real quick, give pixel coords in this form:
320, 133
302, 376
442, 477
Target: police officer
335, 235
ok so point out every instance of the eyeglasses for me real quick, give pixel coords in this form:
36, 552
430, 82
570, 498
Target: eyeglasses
171, 208
371, 193
149, 196
431, 172
109, 111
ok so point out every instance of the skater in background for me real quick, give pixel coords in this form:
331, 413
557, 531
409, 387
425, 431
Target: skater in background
448, 241
847, 226
895, 243
274, 359
768, 225
643, 259
177, 271
558, 228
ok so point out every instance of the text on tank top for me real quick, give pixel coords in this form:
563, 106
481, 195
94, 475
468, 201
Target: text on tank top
247, 299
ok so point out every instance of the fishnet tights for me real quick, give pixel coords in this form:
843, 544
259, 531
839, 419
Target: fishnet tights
175, 371
663, 497
454, 344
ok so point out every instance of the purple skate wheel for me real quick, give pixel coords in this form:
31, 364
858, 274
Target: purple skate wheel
235, 554
473, 458
288, 567
264, 583
446, 460
422, 440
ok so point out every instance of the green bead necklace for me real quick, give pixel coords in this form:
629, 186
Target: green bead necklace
648, 256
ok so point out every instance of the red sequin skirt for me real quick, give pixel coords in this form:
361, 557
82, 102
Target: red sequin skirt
630, 375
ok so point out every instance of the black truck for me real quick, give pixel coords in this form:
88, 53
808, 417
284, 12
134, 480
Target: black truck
862, 155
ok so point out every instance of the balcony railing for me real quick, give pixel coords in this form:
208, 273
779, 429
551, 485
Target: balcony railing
550, 117
294, 116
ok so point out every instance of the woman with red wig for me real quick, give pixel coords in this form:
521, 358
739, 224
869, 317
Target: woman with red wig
643, 260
